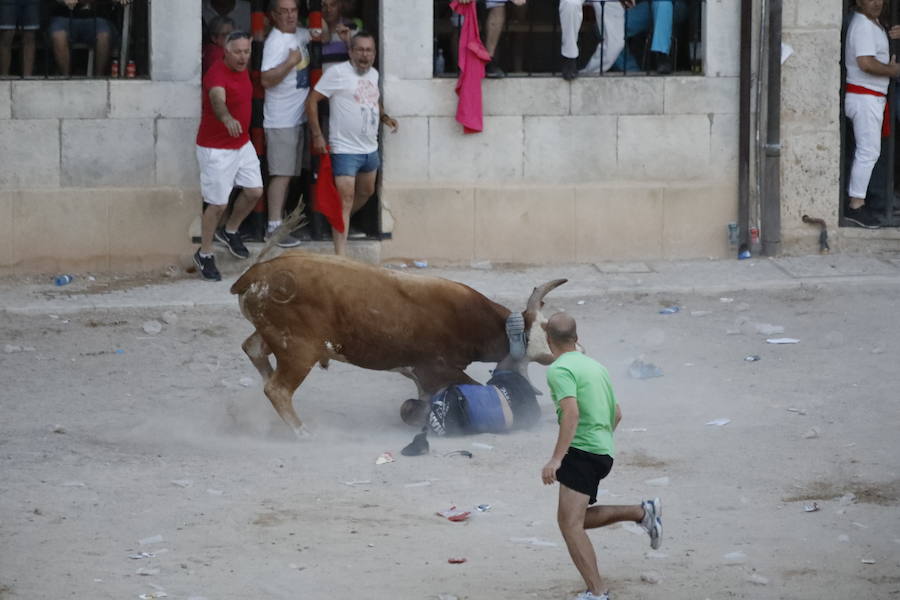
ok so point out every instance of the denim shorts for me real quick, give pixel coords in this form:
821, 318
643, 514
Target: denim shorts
82, 31
24, 14
351, 164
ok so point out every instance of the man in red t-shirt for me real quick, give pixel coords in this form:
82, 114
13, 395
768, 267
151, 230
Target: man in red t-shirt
226, 156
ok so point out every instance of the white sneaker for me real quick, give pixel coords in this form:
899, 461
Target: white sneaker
590, 596
652, 521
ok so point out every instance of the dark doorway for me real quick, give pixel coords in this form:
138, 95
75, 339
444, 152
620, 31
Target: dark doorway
883, 194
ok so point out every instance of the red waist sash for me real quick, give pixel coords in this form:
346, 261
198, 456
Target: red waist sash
886, 121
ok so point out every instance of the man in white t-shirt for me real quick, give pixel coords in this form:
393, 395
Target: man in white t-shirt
285, 76
355, 109
869, 70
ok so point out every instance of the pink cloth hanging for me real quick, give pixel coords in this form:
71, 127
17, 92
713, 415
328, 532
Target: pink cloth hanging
472, 58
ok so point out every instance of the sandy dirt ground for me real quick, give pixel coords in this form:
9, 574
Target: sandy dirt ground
116, 442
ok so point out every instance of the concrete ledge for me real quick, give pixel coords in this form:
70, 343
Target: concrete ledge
5, 99
546, 224
67, 99
91, 229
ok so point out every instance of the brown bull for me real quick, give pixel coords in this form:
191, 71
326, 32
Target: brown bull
310, 308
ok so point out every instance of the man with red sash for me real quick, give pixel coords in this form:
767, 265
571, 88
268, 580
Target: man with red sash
870, 68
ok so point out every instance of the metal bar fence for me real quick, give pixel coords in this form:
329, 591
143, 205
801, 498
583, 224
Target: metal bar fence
96, 38
653, 37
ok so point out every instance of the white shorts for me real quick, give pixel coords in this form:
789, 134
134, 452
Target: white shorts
222, 169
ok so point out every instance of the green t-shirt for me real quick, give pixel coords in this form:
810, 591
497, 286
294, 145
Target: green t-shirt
586, 380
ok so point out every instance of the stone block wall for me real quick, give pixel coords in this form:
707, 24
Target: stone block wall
810, 122
601, 168
100, 174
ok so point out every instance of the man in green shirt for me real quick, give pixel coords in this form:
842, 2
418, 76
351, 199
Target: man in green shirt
588, 414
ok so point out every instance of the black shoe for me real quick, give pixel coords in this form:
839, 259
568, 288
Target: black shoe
569, 68
233, 242
492, 71
206, 265
417, 447
862, 217
663, 63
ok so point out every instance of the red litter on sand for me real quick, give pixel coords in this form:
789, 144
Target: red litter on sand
456, 561
452, 514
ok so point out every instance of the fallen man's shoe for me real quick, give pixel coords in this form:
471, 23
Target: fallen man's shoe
417, 447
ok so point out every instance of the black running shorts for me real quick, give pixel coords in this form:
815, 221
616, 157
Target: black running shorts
582, 471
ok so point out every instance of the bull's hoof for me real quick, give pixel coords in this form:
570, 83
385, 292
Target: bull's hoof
417, 447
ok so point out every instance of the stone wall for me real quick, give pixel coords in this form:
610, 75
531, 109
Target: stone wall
100, 174
601, 168
810, 122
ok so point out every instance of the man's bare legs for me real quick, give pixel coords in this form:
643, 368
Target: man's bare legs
278, 187
101, 54
574, 517
496, 19
354, 193
60, 41
6, 40
212, 215
346, 187
28, 47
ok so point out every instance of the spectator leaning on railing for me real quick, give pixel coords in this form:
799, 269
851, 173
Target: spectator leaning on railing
82, 22
617, 22
496, 19
24, 15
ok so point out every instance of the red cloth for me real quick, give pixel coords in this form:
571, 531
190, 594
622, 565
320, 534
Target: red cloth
239, 100
326, 199
852, 88
472, 58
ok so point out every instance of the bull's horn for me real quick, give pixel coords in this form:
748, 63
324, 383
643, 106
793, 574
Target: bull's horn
537, 296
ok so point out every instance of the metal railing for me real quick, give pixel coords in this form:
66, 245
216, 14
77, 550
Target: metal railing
87, 39
653, 37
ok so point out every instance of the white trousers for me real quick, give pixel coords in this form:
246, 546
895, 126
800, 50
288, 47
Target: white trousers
866, 112
610, 26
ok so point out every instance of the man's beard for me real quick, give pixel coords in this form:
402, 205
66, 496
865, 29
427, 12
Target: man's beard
361, 70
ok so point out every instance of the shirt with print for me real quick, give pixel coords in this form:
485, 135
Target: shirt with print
581, 377
353, 106
286, 102
866, 38
239, 101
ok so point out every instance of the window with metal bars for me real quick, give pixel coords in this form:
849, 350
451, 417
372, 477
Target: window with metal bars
74, 38
603, 36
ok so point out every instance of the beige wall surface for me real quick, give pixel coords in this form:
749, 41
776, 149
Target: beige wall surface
810, 122
99, 174
606, 167
600, 168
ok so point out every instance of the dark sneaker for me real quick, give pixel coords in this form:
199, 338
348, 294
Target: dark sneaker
862, 217
663, 63
206, 265
288, 241
492, 71
652, 521
233, 242
569, 68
